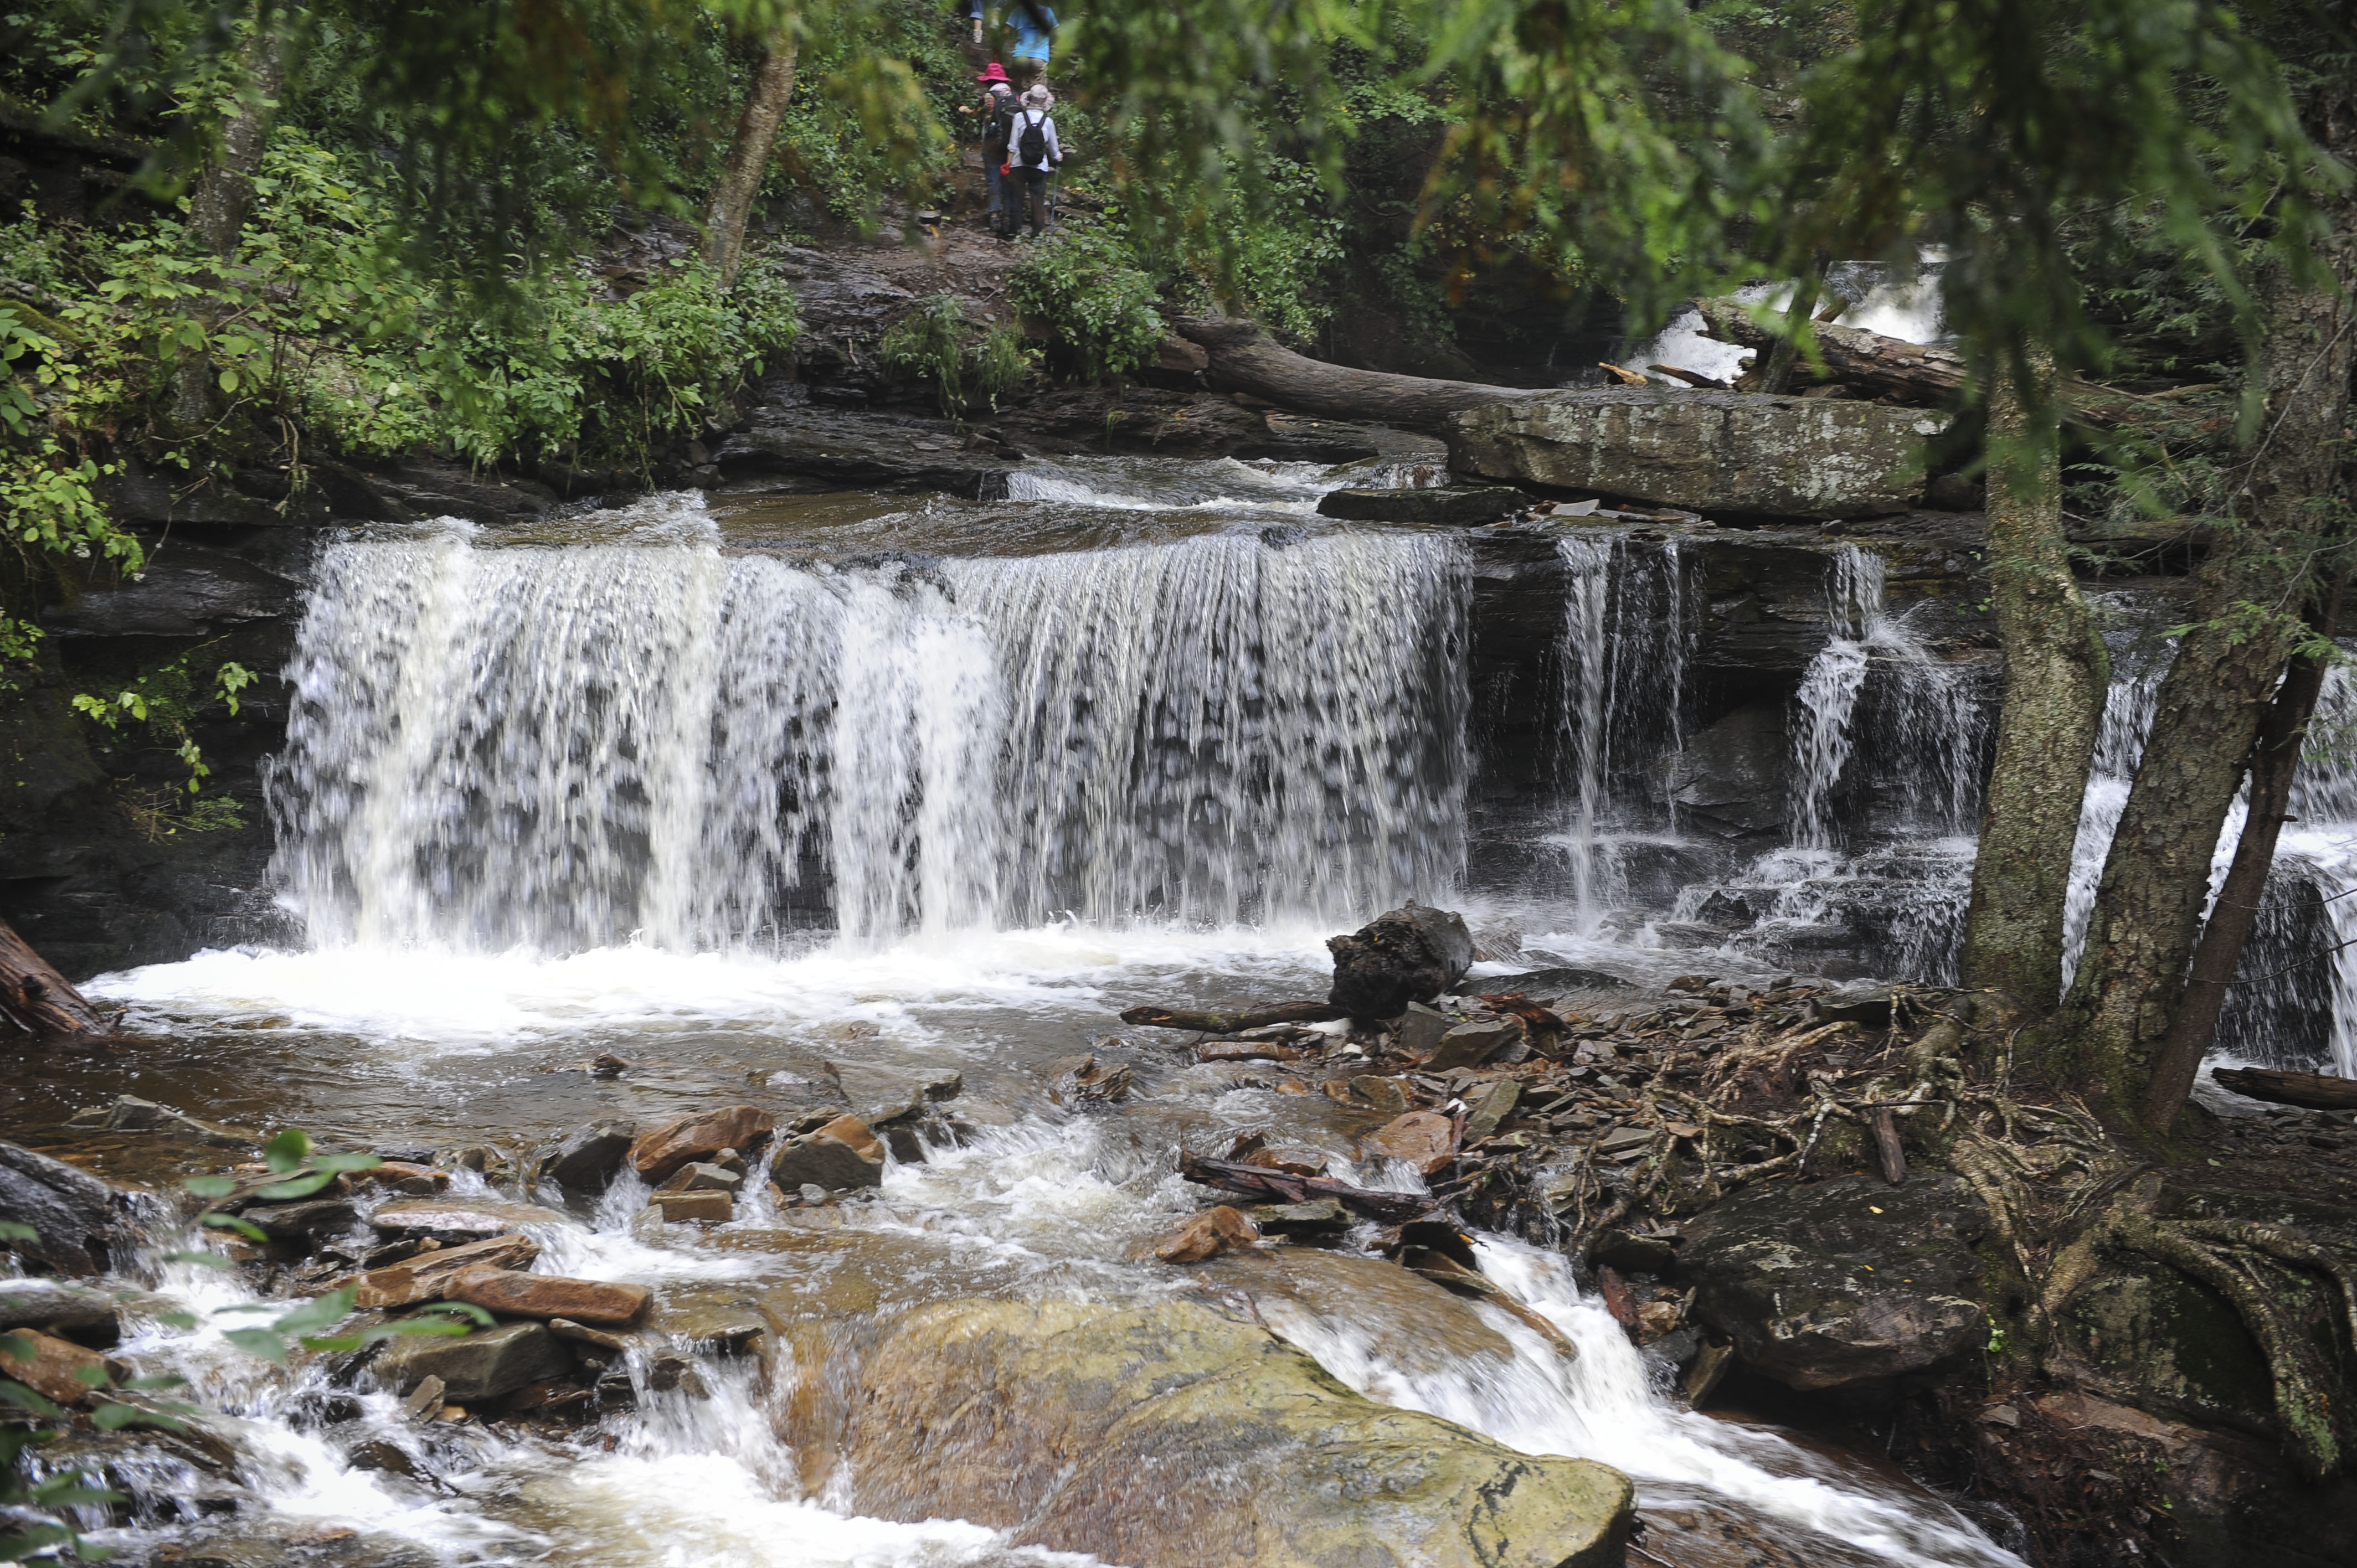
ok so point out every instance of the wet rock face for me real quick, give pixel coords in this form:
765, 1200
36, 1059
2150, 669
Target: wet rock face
882, 451
1785, 457
1841, 1280
81, 1225
1172, 1435
1412, 954
482, 1365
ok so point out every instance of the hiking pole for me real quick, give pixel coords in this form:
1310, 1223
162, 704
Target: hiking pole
1053, 176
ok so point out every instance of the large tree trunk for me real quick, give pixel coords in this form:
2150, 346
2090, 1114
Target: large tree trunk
37, 999
748, 155
2258, 577
2274, 761
224, 190
1243, 360
2056, 673
1886, 366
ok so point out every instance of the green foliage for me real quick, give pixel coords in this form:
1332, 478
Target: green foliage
935, 343
1085, 286
164, 700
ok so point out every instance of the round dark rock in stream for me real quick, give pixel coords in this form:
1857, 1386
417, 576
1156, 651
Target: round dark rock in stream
1412, 954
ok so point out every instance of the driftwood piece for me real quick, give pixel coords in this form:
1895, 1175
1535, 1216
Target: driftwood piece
1244, 359
1887, 366
2312, 1090
1229, 1023
37, 999
1281, 1186
1887, 1145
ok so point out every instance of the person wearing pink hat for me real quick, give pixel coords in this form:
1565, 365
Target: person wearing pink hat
997, 114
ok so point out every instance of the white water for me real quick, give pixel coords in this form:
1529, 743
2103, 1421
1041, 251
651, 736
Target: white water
561, 748
1906, 310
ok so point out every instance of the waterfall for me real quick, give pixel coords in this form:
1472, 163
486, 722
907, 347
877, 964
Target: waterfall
561, 748
1828, 693
1623, 653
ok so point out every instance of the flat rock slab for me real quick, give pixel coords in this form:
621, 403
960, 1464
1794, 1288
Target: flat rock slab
1841, 1280
1712, 451
743, 1128
469, 1218
866, 451
422, 1277
1171, 1435
81, 1225
1446, 505
518, 1295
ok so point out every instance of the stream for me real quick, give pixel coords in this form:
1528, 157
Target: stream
735, 790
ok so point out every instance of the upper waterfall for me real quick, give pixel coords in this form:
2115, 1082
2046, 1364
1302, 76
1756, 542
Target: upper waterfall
562, 748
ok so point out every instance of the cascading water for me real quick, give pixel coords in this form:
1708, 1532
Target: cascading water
1828, 692
561, 748
1623, 657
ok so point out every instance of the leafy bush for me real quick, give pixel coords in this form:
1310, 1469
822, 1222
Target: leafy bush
1087, 288
935, 343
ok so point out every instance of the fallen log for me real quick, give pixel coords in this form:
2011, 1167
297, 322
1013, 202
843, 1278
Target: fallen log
40, 1000
1230, 1022
1244, 359
1281, 1186
2312, 1090
1887, 366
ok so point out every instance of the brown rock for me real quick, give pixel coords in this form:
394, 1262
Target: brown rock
1206, 1235
49, 1371
407, 1179
1291, 1160
854, 1134
565, 1328
697, 1177
658, 1154
421, 1277
1383, 1093
1246, 1052
547, 1296
679, 1208
1424, 1138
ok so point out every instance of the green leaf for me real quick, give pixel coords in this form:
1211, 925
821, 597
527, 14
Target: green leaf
18, 1230
210, 1186
25, 1399
288, 1150
260, 1342
245, 1227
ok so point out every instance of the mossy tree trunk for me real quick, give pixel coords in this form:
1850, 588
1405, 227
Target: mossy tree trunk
2250, 596
748, 157
2056, 674
224, 190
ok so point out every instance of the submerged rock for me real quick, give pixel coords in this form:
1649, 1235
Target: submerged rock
1843, 1280
1174, 1435
1411, 954
1714, 451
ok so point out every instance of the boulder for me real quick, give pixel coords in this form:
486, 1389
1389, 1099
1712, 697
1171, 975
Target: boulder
1173, 1434
697, 1177
83, 1225
482, 1365
1473, 1042
423, 1276
1208, 1235
57, 1369
303, 1222
1841, 1280
703, 1208
866, 451
1411, 954
1319, 1216
585, 1160
842, 1155
547, 1296
879, 1095
1446, 506
1712, 451
699, 1137
1424, 1138
72, 1312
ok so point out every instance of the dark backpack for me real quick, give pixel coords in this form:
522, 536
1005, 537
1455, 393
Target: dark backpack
1002, 127
1034, 146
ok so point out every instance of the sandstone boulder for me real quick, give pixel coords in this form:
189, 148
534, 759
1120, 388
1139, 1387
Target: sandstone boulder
423, 1276
699, 1137
1841, 1280
482, 1365
472, 1216
1171, 1435
843, 1155
1712, 451
1424, 1138
57, 1369
1411, 954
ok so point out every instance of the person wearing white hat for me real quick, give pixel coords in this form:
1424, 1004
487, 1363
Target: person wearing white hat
1033, 151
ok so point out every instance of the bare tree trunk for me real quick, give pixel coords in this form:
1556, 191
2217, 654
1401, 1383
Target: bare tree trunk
748, 157
224, 190
1244, 359
2274, 762
39, 1000
2206, 719
2056, 673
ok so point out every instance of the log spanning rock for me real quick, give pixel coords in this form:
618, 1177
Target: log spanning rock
1876, 365
2313, 1091
1244, 359
1229, 1023
1713, 451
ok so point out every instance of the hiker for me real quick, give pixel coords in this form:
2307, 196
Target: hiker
1035, 31
997, 114
1033, 154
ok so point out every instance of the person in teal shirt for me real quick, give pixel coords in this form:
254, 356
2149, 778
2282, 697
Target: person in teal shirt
1035, 31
